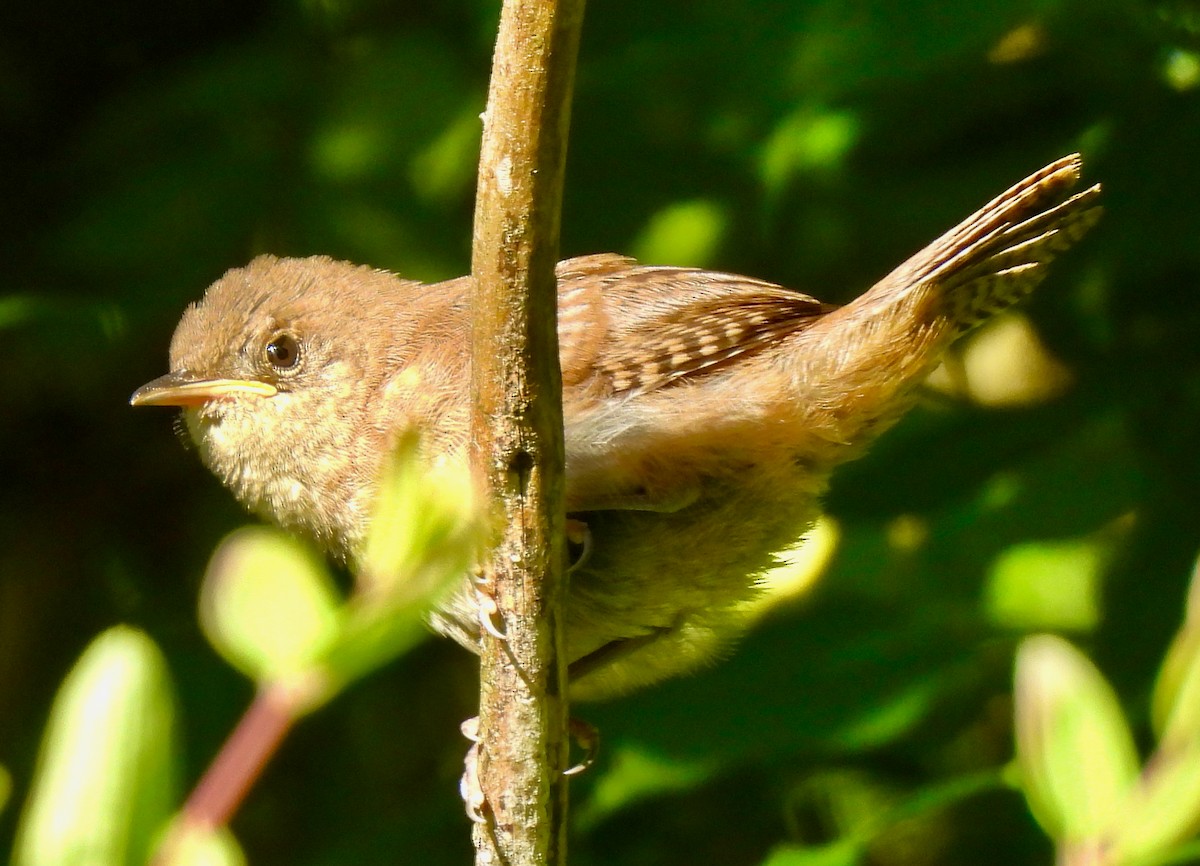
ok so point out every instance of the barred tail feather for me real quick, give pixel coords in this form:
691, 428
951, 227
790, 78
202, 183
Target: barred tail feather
996, 256
982, 266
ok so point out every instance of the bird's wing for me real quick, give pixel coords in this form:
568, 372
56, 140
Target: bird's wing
637, 328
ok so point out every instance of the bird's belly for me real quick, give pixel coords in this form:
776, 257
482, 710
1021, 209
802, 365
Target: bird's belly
663, 593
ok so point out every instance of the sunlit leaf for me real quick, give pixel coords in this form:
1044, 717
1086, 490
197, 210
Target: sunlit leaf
1048, 584
1076, 754
1175, 706
634, 773
268, 604
1175, 703
685, 233
207, 846
425, 534
844, 853
1165, 808
810, 140
106, 773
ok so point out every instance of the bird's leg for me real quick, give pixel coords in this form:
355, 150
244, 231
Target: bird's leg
611, 651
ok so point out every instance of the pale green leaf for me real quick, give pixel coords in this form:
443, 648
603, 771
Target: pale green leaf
1074, 749
1165, 809
105, 781
268, 604
684, 233
1048, 584
206, 846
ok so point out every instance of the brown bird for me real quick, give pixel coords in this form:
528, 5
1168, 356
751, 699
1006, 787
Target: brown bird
704, 412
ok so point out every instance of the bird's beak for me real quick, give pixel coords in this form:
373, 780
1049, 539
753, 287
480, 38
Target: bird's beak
180, 389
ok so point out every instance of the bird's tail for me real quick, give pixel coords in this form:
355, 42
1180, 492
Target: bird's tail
998, 255
887, 340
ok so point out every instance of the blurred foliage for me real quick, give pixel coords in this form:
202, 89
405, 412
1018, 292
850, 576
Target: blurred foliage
107, 770
1078, 765
147, 147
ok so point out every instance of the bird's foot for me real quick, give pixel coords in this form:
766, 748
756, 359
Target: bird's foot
587, 736
579, 538
468, 786
486, 608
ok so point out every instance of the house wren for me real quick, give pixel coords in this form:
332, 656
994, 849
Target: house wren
704, 412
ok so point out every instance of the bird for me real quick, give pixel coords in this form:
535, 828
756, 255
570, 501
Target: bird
704, 412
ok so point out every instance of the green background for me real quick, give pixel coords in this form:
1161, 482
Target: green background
145, 147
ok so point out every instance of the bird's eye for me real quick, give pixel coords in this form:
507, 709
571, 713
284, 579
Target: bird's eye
283, 351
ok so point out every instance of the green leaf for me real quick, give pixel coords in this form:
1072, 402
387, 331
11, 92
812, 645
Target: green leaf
424, 527
207, 846
1074, 749
105, 781
810, 140
1164, 810
683, 233
636, 773
845, 852
371, 638
1048, 584
425, 533
1175, 706
268, 605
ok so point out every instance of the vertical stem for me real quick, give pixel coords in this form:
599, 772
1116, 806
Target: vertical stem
517, 430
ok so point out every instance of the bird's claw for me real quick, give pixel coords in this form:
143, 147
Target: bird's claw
578, 536
469, 786
486, 608
587, 736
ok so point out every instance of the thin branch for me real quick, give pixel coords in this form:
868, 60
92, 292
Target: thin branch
517, 430
236, 768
